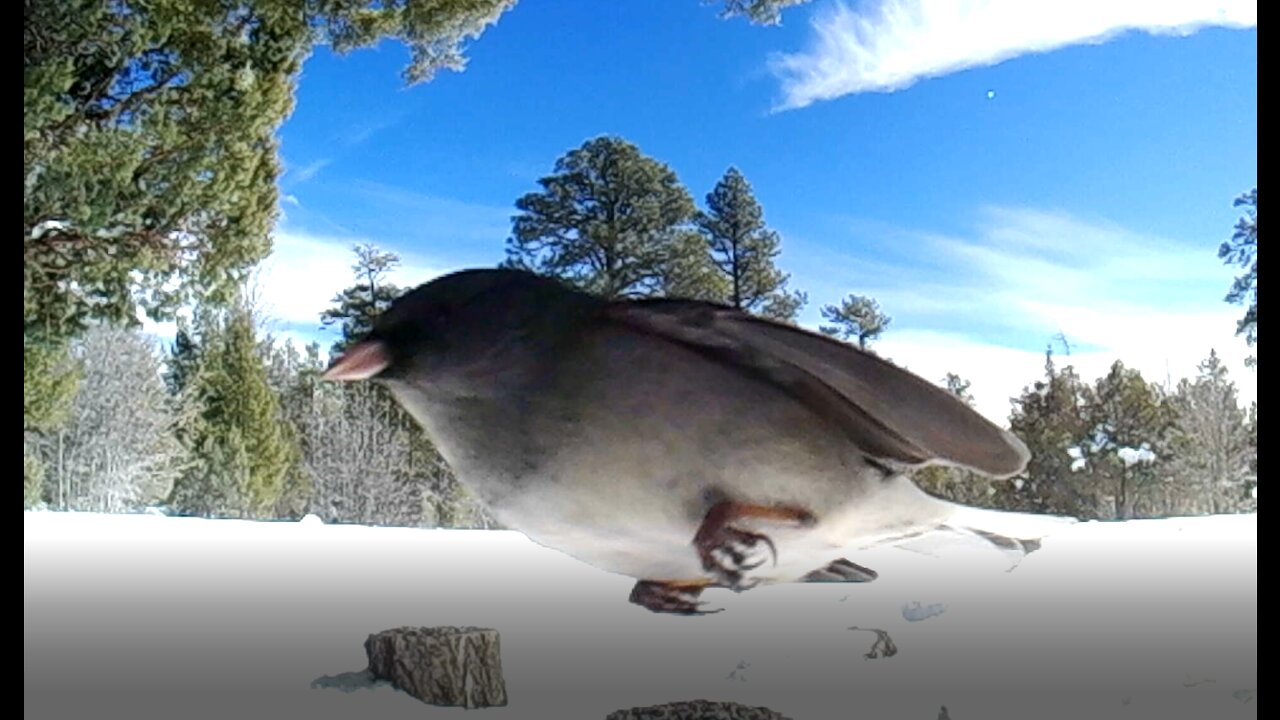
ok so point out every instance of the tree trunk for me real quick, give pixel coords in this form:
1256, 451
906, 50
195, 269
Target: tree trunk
1122, 497
441, 665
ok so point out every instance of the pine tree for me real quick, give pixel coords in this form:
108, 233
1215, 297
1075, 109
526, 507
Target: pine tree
744, 249
857, 318
239, 397
1253, 446
762, 12
959, 387
607, 220
1242, 250
1050, 417
358, 306
1130, 422
1211, 439
149, 139
238, 416
690, 273
49, 381
214, 485
293, 377
183, 358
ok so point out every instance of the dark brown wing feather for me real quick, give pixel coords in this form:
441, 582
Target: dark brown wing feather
888, 412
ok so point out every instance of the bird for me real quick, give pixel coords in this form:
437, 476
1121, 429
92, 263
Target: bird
685, 444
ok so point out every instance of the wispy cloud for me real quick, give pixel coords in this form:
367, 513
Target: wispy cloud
308, 171
887, 45
360, 134
985, 305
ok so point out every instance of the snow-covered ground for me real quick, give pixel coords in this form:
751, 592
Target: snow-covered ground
154, 617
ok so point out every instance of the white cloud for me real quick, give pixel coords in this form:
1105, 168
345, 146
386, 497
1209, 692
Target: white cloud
293, 285
308, 171
303, 273
887, 45
985, 306
361, 133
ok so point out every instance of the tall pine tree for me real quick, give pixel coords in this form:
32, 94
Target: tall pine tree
1211, 442
1242, 250
356, 307
1128, 447
1051, 418
608, 220
744, 250
243, 449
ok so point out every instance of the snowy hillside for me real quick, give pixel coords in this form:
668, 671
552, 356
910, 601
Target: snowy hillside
156, 617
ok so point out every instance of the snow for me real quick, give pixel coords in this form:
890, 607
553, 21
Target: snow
151, 616
1078, 461
1132, 456
45, 227
915, 611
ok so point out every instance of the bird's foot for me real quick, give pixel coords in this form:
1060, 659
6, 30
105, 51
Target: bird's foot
729, 553
842, 571
668, 597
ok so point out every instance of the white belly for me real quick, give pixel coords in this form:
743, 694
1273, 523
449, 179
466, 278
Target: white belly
621, 474
655, 541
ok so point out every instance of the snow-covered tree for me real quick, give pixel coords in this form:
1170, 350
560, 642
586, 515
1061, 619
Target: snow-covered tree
1050, 417
1211, 438
1128, 444
117, 451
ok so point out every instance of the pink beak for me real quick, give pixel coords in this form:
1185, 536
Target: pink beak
360, 362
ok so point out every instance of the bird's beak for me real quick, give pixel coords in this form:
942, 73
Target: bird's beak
360, 362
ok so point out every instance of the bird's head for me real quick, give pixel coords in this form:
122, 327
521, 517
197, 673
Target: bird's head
459, 327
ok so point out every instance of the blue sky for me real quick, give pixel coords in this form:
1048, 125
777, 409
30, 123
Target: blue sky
993, 176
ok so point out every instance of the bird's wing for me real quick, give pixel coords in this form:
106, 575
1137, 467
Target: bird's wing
889, 413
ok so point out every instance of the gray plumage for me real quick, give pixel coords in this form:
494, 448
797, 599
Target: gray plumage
608, 429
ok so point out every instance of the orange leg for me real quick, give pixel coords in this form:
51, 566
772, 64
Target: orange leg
728, 552
678, 597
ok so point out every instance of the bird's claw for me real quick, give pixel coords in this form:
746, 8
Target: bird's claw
669, 598
728, 553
